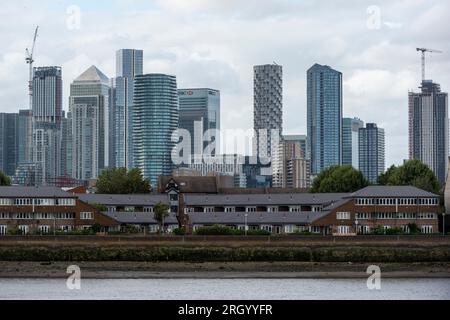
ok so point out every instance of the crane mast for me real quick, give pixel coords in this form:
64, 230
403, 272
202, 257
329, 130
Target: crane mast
423, 50
29, 60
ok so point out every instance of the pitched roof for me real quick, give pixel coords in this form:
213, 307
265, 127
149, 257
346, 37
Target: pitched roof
255, 217
124, 199
93, 74
190, 184
391, 191
34, 192
139, 217
264, 199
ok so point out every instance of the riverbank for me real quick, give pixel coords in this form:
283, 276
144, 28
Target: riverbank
219, 270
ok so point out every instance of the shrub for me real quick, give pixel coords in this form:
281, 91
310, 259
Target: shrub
179, 231
414, 228
214, 230
259, 232
393, 231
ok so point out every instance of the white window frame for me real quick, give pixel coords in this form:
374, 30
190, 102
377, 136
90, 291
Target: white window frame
86, 216
343, 215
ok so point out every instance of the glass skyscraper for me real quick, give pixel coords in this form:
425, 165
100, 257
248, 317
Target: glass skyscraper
89, 110
324, 117
155, 118
25, 136
199, 111
428, 128
371, 152
350, 141
129, 64
9, 142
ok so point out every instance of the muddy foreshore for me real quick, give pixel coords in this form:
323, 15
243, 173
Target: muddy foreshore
226, 270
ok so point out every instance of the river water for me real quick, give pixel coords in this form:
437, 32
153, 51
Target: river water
228, 289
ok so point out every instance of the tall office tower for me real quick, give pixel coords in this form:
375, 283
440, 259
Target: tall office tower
350, 141
199, 112
9, 142
155, 119
129, 64
89, 109
268, 109
47, 113
25, 136
371, 152
428, 128
324, 113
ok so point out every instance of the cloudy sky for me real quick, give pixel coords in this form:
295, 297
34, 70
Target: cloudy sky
215, 43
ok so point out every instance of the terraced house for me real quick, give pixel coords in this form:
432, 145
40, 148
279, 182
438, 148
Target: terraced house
42, 210
326, 213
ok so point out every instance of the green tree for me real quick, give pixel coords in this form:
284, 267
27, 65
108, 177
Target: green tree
121, 181
4, 179
339, 179
160, 212
411, 173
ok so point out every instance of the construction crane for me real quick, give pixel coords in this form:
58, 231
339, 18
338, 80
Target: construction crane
30, 59
423, 50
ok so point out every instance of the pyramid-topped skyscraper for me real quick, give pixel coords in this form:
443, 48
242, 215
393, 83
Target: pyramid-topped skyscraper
89, 104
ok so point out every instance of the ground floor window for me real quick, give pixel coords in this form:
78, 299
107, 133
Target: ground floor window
315, 229
427, 229
363, 229
289, 228
66, 228
405, 228
343, 229
3, 230
24, 229
266, 227
44, 229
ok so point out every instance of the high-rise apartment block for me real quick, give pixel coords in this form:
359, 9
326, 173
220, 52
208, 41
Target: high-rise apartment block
268, 109
324, 117
350, 141
155, 120
428, 128
47, 114
371, 152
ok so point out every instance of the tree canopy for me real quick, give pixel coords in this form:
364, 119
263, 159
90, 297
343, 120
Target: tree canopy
160, 212
121, 181
411, 173
339, 179
4, 179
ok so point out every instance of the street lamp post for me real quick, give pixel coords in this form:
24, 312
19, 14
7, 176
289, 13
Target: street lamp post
443, 223
245, 220
356, 226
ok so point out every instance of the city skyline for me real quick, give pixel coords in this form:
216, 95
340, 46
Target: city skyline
378, 69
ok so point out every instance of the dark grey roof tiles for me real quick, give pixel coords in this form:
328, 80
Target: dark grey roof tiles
392, 191
34, 192
263, 199
124, 199
139, 217
255, 217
